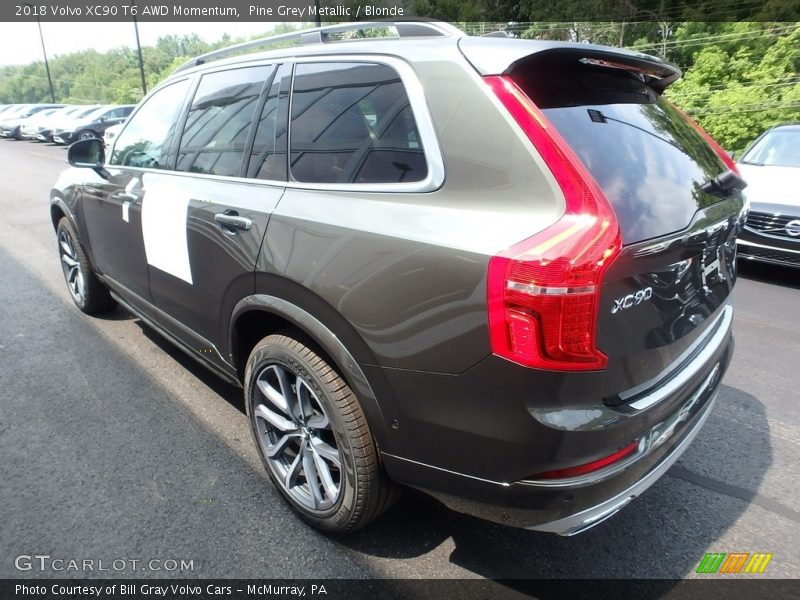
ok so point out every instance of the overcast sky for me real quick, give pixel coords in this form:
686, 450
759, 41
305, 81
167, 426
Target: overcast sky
19, 42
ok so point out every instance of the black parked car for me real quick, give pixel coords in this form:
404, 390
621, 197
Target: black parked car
495, 270
92, 125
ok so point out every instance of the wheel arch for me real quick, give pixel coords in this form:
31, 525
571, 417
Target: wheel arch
259, 315
59, 210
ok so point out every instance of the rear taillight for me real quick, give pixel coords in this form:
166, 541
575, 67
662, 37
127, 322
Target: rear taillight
543, 293
726, 158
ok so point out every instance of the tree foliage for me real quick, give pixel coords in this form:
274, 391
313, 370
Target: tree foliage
740, 78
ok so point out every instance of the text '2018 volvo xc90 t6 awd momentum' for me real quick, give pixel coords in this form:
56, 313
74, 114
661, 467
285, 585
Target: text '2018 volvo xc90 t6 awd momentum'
495, 270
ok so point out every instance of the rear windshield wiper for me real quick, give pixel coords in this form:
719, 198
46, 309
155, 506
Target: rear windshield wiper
724, 184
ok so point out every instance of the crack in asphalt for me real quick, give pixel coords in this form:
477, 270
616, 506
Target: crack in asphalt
735, 491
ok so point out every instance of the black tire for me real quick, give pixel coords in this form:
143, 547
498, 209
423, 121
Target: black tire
364, 490
86, 290
87, 134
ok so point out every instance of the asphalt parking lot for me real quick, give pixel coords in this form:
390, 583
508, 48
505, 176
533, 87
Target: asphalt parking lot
115, 445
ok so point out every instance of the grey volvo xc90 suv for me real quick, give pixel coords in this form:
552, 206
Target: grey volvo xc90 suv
491, 269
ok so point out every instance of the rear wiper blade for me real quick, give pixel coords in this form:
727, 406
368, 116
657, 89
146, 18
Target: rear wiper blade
724, 184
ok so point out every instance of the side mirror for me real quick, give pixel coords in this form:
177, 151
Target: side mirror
88, 154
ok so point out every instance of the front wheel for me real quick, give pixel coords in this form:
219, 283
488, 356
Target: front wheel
88, 134
313, 437
87, 291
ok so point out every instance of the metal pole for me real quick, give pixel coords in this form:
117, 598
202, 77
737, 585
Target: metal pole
318, 19
46, 64
139, 52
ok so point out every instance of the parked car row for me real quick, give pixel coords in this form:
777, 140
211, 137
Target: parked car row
60, 123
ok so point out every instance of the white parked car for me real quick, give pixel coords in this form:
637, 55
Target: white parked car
111, 133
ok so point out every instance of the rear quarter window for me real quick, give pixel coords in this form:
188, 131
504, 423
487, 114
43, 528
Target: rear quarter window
353, 123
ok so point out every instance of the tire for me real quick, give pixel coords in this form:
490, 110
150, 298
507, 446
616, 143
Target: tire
86, 290
309, 436
87, 134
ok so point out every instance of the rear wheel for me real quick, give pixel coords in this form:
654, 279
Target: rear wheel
87, 291
313, 437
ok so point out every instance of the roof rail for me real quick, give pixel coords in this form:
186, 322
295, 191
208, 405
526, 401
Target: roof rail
322, 35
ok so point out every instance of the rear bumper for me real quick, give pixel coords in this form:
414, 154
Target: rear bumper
594, 515
489, 476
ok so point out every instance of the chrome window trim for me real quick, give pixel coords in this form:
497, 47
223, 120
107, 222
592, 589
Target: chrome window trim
422, 118
419, 107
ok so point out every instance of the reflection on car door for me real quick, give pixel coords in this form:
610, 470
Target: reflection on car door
112, 208
222, 215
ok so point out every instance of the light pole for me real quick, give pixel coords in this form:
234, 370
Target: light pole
44, 53
139, 52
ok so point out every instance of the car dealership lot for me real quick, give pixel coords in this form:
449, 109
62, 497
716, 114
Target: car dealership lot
116, 445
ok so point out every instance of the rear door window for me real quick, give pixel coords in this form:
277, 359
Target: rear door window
219, 120
353, 123
268, 154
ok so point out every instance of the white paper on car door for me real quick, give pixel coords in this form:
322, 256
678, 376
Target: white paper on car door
164, 213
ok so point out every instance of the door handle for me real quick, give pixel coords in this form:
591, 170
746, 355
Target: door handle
231, 220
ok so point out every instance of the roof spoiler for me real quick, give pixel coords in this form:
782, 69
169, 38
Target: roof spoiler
496, 56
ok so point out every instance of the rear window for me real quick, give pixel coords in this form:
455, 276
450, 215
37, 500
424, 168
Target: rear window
649, 161
353, 123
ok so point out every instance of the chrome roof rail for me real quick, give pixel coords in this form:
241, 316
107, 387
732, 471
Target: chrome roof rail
322, 35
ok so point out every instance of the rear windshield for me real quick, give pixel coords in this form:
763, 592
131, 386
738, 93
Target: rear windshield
649, 161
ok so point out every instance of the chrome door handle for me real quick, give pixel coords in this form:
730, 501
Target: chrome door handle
231, 220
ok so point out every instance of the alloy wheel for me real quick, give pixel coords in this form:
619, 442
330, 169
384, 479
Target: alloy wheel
71, 265
297, 439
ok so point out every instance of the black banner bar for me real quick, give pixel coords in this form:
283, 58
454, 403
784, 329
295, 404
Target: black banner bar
728, 588
357, 10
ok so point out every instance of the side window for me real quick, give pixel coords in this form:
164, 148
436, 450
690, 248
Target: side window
353, 123
219, 119
145, 140
268, 157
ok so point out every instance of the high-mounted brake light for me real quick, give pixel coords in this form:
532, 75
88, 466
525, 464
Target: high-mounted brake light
726, 158
543, 293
